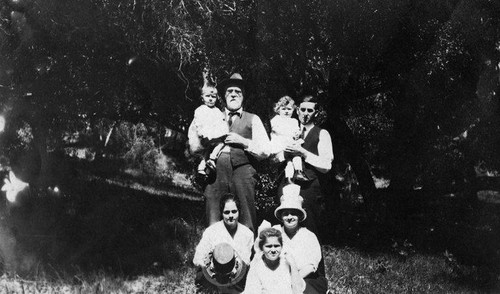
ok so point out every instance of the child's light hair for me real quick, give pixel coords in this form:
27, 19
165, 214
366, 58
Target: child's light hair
206, 88
284, 101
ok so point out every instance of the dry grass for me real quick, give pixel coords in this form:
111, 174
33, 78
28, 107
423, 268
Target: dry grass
101, 237
351, 271
348, 271
171, 281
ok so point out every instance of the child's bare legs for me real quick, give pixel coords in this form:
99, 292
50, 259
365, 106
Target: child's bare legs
214, 155
299, 174
201, 166
289, 170
297, 163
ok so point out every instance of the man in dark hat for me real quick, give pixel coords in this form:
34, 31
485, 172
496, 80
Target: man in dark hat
317, 153
247, 140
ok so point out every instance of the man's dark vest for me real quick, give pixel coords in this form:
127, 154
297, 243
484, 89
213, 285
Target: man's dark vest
243, 127
311, 144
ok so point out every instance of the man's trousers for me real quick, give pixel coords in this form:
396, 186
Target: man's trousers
238, 180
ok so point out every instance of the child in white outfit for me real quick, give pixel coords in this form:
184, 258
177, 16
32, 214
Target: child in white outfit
208, 124
284, 131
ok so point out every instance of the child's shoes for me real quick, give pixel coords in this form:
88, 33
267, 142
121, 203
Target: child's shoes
300, 176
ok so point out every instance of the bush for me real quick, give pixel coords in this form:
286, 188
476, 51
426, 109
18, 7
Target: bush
136, 146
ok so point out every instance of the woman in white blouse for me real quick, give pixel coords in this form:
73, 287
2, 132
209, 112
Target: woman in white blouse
230, 231
299, 242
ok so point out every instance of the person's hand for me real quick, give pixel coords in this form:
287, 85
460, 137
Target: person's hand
295, 149
289, 259
207, 260
236, 140
217, 140
209, 141
299, 141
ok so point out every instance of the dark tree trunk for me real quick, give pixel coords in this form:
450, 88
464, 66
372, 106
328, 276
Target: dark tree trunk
40, 147
347, 149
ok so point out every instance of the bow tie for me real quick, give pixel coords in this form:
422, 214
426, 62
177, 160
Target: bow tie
232, 114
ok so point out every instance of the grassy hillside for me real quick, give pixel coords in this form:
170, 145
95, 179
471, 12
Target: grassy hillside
101, 234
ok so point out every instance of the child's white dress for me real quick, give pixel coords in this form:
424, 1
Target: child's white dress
208, 122
284, 131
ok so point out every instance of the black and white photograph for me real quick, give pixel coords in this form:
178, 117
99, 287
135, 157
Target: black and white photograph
249, 146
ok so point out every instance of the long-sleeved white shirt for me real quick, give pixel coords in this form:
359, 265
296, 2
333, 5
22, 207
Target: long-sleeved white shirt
209, 123
304, 247
323, 161
217, 233
259, 146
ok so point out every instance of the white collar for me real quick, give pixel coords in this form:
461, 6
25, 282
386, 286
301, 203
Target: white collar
308, 127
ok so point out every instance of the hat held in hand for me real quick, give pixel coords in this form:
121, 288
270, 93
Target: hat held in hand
225, 267
291, 200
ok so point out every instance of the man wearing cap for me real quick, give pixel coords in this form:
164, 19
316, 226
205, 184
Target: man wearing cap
317, 153
247, 140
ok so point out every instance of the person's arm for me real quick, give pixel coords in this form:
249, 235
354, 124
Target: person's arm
323, 161
298, 283
253, 285
245, 256
193, 139
203, 250
274, 145
306, 270
211, 125
258, 146
312, 248
199, 118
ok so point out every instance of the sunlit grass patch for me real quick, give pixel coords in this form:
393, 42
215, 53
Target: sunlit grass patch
352, 271
348, 270
171, 281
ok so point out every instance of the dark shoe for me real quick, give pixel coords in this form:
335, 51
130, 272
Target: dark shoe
210, 165
211, 173
200, 181
300, 176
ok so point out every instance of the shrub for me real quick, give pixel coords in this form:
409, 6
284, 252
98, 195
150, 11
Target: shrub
136, 146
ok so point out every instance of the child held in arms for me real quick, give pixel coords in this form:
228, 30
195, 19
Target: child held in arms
208, 125
285, 130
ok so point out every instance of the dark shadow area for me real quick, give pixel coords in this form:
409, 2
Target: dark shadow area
465, 234
89, 226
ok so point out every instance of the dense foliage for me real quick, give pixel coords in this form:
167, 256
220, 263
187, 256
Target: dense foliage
410, 87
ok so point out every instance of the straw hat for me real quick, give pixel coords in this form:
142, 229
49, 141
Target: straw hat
224, 267
291, 200
235, 80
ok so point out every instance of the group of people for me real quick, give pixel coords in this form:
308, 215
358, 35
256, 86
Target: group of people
286, 257
229, 142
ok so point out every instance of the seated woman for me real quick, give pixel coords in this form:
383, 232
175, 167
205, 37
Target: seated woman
273, 272
299, 242
228, 231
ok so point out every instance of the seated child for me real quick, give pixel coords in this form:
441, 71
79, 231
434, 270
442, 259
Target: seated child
285, 130
208, 124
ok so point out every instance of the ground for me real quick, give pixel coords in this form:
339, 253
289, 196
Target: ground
101, 235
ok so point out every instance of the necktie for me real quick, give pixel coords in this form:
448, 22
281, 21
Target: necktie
231, 117
303, 134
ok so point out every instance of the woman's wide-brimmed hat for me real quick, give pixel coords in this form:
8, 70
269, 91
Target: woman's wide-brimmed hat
291, 200
235, 80
224, 267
